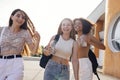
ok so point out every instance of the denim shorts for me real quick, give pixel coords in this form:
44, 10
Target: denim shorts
56, 71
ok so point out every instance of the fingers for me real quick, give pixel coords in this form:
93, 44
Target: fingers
47, 51
36, 36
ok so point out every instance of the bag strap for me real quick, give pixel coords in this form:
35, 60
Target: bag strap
97, 76
56, 38
2, 34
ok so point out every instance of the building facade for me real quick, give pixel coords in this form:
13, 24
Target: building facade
107, 17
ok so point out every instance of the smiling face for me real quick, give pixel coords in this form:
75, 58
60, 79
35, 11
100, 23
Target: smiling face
77, 25
18, 18
66, 26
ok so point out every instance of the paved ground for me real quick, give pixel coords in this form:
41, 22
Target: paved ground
34, 72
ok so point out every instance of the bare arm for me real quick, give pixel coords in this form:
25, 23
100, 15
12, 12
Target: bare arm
75, 62
35, 43
93, 41
48, 49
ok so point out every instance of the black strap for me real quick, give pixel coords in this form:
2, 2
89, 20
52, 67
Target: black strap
97, 76
10, 56
57, 38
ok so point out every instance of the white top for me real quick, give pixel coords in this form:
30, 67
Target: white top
63, 48
82, 42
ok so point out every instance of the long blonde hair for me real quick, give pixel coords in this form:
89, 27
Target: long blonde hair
72, 33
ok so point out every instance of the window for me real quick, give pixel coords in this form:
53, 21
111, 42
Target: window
115, 35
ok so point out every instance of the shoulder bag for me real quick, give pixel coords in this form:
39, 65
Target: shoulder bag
44, 59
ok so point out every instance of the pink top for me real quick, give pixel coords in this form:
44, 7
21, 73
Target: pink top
13, 43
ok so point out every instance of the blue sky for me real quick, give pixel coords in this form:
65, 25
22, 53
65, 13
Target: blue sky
47, 14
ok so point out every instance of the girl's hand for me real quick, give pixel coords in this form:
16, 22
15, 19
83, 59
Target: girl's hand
47, 50
36, 36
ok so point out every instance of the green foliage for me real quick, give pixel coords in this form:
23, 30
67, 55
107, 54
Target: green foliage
40, 50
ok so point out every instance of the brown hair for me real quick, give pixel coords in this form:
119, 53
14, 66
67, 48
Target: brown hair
72, 33
26, 25
87, 25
